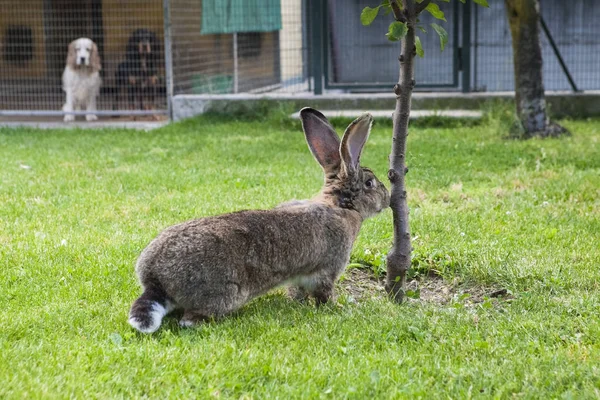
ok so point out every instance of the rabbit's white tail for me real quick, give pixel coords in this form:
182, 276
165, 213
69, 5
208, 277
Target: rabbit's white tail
148, 310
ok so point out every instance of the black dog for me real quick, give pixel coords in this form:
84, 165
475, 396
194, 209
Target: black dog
138, 74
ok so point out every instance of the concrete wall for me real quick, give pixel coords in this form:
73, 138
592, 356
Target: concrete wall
562, 104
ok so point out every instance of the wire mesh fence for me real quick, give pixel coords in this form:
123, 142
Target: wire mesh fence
148, 55
39, 44
222, 47
573, 27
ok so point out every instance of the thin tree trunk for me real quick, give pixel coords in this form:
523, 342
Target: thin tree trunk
398, 259
524, 20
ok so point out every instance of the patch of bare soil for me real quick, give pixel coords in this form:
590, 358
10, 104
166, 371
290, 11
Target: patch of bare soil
361, 283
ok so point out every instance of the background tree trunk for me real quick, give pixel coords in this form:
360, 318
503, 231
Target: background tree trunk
524, 20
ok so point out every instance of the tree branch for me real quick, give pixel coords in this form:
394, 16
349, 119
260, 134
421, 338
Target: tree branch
420, 7
398, 14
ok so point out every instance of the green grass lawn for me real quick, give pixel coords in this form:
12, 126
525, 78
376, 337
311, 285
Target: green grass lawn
77, 207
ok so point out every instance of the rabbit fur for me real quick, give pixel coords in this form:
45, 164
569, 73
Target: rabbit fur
212, 266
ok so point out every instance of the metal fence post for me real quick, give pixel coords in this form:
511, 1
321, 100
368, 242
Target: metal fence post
316, 25
168, 56
236, 64
466, 47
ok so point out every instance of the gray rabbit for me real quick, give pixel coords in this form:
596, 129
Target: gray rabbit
212, 266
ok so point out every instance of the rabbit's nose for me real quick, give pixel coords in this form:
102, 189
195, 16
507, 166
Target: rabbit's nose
386, 201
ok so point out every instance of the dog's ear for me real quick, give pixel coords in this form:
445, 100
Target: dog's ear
131, 51
95, 58
154, 41
156, 53
72, 55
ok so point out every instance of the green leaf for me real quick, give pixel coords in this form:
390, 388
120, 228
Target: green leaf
487, 304
442, 34
551, 233
464, 296
421, 29
368, 15
419, 48
354, 265
463, 1
480, 2
396, 31
481, 345
434, 10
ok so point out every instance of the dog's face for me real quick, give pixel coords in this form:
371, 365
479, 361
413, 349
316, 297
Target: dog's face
83, 53
144, 47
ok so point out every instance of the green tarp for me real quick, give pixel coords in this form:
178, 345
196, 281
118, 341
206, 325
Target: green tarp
228, 16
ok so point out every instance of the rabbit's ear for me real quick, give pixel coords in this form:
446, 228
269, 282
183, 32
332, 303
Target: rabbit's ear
322, 140
354, 139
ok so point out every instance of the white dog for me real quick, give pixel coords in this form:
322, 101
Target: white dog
81, 78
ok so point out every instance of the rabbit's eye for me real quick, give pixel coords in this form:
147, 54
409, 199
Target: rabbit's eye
369, 183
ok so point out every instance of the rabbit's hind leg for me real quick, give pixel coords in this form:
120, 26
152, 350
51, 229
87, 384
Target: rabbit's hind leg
192, 318
213, 303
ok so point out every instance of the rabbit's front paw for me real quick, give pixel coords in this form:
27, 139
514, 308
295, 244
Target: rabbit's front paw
297, 293
324, 293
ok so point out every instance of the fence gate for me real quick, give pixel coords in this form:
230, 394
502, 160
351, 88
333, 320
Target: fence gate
359, 57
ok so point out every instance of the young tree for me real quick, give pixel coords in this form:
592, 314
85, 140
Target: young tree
524, 20
402, 29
